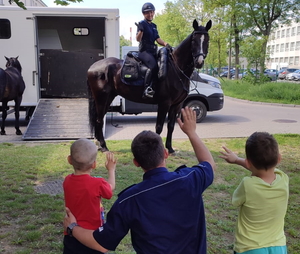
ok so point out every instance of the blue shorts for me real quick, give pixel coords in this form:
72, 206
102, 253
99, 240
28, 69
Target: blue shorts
268, 250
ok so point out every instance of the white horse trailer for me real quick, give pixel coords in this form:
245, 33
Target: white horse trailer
56, 46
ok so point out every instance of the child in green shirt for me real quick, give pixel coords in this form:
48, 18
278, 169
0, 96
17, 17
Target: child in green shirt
262, 198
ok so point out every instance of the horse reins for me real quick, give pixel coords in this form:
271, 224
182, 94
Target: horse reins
175, 65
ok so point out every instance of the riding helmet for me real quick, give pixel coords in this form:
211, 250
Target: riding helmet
148, 7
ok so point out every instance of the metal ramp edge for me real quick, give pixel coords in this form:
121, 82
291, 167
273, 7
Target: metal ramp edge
59, 119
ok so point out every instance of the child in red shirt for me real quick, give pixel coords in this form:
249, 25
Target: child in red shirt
83, 192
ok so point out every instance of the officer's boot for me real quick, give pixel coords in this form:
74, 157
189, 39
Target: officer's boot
149, 92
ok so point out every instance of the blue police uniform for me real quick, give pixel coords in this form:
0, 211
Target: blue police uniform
147, 47
164, 213
150, 35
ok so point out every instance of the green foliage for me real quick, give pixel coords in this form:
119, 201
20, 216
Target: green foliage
57, 2
171, 25
124, 42
66, 2
18, 2
276, 92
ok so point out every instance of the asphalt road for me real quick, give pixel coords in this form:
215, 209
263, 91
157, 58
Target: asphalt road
238, 118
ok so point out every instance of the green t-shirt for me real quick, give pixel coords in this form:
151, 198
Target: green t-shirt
262, 210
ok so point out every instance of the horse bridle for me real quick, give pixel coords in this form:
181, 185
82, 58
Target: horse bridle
195, 56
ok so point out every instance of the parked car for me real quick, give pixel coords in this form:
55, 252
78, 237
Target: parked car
283, 74
225, 74
272, 72
293, 75
271, 75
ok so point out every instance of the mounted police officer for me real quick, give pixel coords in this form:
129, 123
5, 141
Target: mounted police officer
146, 35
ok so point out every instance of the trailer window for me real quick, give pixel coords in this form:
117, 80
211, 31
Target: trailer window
5, 31
81, 31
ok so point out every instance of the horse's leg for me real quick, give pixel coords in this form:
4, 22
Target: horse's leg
172, 115
162, 111
4, 115
17, 115
102, 104
160, 120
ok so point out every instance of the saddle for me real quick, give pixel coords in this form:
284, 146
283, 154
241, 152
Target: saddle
133, 70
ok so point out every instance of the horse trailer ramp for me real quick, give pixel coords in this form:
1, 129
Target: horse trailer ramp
59, 119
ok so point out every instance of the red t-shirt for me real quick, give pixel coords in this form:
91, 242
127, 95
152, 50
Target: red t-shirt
83, 195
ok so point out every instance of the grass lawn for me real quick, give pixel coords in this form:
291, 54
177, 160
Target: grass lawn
31, 222
275, 92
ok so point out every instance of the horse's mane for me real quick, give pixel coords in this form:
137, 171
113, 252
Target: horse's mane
185, 41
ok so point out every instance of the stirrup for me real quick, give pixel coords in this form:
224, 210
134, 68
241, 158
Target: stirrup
149, 92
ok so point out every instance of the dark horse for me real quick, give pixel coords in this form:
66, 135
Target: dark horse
104, 84
12, 87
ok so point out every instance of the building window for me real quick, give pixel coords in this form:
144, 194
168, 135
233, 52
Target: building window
282, 33
277, 47
288, 32
287, 47
273, 49
273, 36
298, 30
281, 47
281, 60
278, 35
5, 30
292, 48
296, 60
276, 60
286, 59
298, 45
293, 31
291, 61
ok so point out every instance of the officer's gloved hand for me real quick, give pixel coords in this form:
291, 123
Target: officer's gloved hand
139, 26
169, 47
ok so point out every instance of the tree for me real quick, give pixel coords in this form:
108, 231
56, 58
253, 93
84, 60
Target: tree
20, 4
266, 14
124, 42
175, 23
66, 2
58, 2
253, 55
171, 24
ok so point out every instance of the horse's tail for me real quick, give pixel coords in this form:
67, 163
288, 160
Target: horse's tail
3, 82
92, 109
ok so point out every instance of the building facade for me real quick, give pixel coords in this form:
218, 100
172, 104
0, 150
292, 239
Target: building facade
284, 47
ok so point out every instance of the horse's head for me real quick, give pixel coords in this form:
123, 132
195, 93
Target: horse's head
13, 62
200, 42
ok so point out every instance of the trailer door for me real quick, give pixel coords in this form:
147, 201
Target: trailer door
68, 46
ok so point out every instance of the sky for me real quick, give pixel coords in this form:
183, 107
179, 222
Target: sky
129, 10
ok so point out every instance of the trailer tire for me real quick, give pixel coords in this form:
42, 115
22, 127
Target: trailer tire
199, 107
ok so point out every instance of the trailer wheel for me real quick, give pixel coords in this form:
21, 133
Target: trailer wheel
199, 107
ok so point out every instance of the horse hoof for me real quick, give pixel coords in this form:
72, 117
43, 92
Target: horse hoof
3, 133
171, 151
19, 132
103, 150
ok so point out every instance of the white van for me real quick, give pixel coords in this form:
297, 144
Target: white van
205, 95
